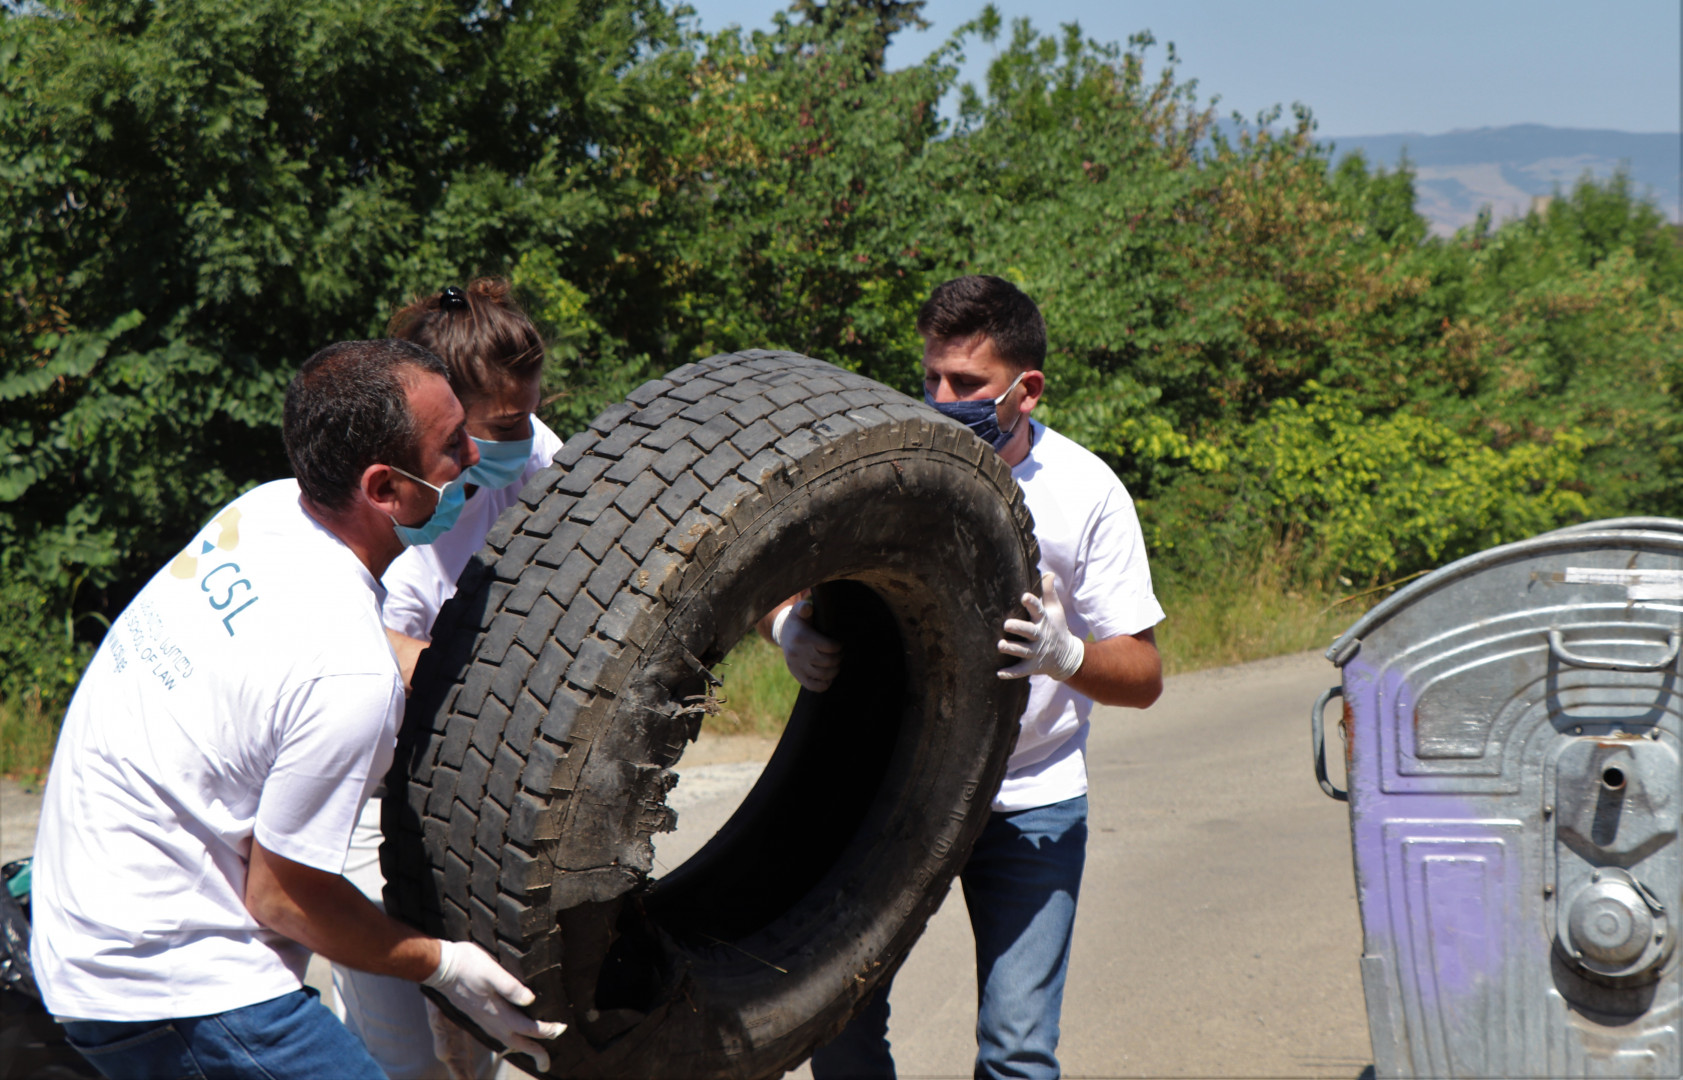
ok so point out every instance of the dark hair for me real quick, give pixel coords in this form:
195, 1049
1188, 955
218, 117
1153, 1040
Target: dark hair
981, 304
347, 409
481, 334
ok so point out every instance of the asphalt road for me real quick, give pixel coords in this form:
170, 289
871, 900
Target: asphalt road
1217, 934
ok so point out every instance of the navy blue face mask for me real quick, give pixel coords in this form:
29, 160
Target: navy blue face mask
982, 417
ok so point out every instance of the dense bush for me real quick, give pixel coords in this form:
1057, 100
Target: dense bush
1372, 496
1269, 350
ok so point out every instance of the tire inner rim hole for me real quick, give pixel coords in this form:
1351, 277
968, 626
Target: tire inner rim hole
1613, 778
802, 815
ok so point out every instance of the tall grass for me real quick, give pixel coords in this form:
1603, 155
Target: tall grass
1251, 609
27, 735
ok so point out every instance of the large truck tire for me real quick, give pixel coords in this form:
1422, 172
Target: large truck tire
574, 666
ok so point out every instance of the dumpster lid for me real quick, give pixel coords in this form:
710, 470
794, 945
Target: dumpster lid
1624, 524
1667, 532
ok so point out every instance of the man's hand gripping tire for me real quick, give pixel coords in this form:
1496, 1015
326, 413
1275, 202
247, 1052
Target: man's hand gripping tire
491, 998
812, 658
1048, 647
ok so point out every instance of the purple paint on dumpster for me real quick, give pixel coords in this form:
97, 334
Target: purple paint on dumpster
1438, 865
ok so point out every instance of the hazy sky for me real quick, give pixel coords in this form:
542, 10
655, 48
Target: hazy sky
1370, 67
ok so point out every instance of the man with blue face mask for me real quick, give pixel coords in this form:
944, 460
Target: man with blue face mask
1090, 639
219, 748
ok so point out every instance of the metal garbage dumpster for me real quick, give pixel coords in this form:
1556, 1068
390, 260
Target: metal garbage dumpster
1512, 726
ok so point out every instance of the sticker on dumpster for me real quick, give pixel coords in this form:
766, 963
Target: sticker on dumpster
1639, 584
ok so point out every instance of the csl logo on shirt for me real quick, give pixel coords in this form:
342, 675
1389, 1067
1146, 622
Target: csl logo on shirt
221, 582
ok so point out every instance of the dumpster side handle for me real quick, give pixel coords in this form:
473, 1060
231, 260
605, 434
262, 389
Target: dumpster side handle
1318, 740
1557, 646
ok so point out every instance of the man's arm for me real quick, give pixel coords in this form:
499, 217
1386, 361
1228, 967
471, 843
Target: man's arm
769, 619
328, 915
408, 650
1121, 670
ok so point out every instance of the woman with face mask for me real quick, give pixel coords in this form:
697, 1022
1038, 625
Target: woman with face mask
495, 359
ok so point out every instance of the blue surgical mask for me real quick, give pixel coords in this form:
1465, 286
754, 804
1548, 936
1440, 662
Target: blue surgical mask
982, 417
500, 463
450, 499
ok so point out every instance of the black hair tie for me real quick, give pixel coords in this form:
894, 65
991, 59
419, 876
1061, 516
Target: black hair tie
452, 299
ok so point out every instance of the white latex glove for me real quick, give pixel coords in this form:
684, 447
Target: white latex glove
812, 658
489, 996
1048, 647
451, 1044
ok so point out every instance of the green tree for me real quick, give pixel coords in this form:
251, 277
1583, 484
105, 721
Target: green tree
198, 195
792, 197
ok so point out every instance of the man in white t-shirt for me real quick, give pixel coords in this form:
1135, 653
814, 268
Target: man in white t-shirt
219, 748
1091, 640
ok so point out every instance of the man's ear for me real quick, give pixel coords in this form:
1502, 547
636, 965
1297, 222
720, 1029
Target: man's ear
379, 487
1034, 385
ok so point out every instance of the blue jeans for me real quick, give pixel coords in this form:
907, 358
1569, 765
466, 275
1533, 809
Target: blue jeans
290, 1036
1020, 887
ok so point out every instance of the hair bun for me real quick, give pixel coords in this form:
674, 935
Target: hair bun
496, 290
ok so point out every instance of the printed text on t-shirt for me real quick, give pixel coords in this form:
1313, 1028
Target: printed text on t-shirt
228, 583
153, 647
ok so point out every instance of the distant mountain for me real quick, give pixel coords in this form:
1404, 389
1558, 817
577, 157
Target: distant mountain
1506, 168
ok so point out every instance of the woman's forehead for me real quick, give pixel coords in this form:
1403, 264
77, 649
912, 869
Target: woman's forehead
514, 397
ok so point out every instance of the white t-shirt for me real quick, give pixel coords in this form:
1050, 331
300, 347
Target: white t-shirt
423, 577
1090, 537
248, 691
